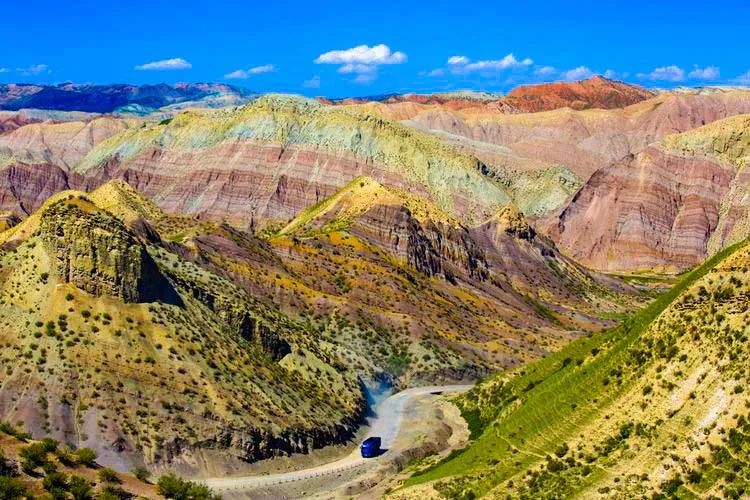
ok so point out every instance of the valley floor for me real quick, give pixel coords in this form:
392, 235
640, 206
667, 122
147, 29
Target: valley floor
413, 423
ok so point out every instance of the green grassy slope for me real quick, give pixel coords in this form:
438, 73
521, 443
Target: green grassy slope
593, 396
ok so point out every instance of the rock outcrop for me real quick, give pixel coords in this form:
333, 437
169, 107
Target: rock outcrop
95, 252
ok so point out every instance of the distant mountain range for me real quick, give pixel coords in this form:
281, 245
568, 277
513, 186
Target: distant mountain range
595, 92
119, 97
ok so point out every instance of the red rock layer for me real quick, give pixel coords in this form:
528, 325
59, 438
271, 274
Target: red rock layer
596, 92
651, 210
245, 182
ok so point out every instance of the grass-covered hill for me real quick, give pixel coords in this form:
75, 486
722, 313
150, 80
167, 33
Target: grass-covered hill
112, 341
655, 408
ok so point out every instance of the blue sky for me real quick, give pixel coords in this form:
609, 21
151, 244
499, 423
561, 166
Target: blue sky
338, 48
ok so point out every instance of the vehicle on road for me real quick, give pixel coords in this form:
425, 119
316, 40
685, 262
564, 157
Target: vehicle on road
371, 447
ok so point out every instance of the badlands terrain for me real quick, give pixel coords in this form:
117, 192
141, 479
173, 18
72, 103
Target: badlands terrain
196, 279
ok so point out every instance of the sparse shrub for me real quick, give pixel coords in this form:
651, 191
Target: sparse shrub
112, 492
56, 483
33, 456
108, 475
80, 488
562, 450
49, 444
86, 457
141, 473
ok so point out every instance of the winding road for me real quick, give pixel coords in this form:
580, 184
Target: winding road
386, 423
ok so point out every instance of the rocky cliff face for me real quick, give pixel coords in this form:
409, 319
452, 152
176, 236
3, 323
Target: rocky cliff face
95, 252
430, 248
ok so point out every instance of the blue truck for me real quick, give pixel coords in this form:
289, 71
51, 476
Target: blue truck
370, 447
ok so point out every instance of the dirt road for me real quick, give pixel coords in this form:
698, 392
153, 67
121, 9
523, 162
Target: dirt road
389, 414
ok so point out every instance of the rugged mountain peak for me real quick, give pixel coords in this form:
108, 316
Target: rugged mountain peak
119, 198
94, 251
359, 196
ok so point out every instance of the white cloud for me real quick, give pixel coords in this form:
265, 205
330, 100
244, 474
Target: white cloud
458, 60
36, 69
165, 64
266, 68
545, 71
707, 73
362, 60
435, 72
579, 73
743, 79
4, 70
243, 74
363, 54
665, 73
312, 83
462, 64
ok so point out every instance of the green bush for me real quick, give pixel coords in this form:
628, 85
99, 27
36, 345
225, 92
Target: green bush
86, 456
112, 492
141, 473
56, 483
80, 488
171, 486
7, 428
49, 444
32, 457
12, 488
107, 475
